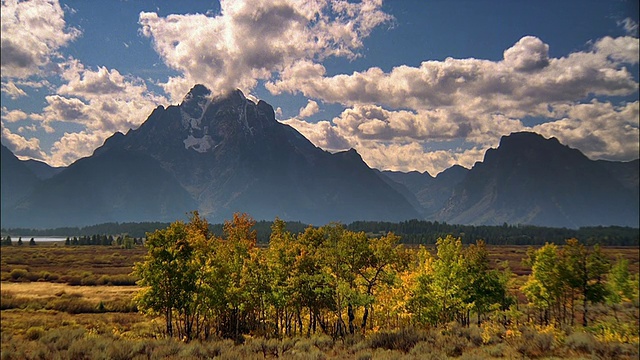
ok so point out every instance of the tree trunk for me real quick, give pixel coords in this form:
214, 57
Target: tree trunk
584, 311
169, 323
351, 318
364, 319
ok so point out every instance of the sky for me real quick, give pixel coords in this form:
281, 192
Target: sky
411, 85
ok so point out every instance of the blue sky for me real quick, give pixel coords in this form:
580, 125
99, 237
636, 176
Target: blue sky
411, 85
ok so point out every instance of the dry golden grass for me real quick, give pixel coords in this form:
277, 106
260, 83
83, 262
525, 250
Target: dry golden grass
90, 293
70, 260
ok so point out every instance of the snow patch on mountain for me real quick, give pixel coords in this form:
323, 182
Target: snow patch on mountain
200, 145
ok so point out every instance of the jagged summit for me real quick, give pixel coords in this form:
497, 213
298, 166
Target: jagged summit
218, 155
198, 91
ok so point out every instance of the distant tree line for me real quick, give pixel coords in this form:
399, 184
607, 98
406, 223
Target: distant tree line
427, 232
410, 232
126, 241
6, 241
133, 229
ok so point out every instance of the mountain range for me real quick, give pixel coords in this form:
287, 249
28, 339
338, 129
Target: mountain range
227, 154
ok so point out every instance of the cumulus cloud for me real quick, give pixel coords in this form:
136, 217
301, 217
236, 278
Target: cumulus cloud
308, 110
599, 129
323, 134
32, 33
12, 90
13, 115
479, 101
374, 122
528, 54
75, 145
103, 101
468, 84
622, 49
401, 140
413, 156
250, 40
21, 146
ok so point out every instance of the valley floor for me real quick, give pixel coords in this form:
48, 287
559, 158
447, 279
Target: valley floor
48, 314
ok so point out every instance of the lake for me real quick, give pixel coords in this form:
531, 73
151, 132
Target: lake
37, 239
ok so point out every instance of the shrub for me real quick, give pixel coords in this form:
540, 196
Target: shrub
452, 345
581, 342
532, 343
322, 342
82, 349
18, 274
123, 280
34, 333
474, 335
496, 351
194, 350
7, 300
402, 340
120, 350
543, 342
425, 350
61, 338
364, 355
71, 305
88, 281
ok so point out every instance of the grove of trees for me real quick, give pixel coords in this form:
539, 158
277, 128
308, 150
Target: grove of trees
336, 281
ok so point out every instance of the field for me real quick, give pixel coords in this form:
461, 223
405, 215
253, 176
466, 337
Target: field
77, 302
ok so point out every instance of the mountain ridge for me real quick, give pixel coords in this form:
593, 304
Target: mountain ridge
227, 154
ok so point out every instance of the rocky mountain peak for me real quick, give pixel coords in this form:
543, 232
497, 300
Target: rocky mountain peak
197, 93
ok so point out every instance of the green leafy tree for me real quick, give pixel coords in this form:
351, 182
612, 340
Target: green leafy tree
619, 282
170, 277
384, 260
620, 286
483, 288
281, 257
440, 292
585, 273
313, 282
543, 287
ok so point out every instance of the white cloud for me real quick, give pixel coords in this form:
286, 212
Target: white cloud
22, 147
478, 101
73, 146
322, 134
528, 54
308, 110
480, 86
630, 26
250, 40
375, 123
32, 32
622, 49
102, 100
13, 115
12, 90
412, 156
599, 129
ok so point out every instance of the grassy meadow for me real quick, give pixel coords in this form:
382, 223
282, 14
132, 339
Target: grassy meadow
77, 302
